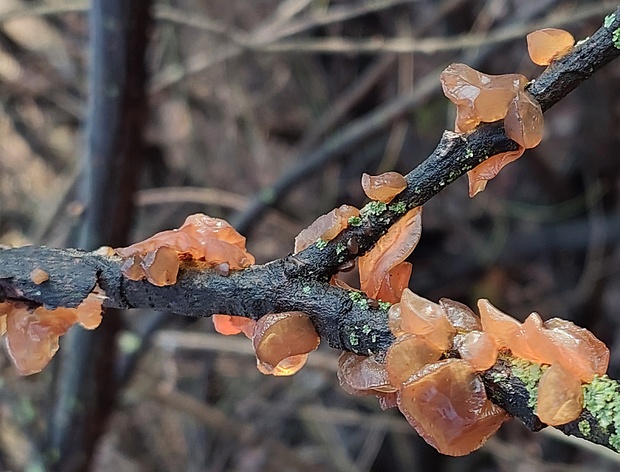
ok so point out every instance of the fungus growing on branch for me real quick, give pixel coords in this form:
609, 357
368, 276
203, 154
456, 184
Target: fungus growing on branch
407, 355
325, 227
363, 375
230, 325
560, 396
548, 44
478, 348
383, 187
201, 237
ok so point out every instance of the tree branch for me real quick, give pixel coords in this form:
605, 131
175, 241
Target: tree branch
346, 320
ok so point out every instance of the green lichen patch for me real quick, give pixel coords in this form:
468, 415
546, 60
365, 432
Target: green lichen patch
584, 427
529, 373
306, 290
340, 247
616, 38
321, 244
399, 208
355, 221
354, 339
373, 209
469, 153
359, 299
609, 19
384, 305
602, 399
366, 329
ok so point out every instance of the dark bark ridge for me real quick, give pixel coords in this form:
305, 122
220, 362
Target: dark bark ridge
346, 320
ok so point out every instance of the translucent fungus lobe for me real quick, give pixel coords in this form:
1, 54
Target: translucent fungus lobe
546, 45
325, 227
447, 405
362, 375
229, 325
383, 187
392, 287
482, 173
560, 396
391, 249
38, 275
460, 316
524, 121
417, 315
479, 349
407, 355
504, 328
282, 342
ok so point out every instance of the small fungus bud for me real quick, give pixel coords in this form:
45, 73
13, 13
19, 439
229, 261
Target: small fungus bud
391, 249
325, 227
548, 44
347, 266
383, 187
229, 325
353, 246
407, 355
479, 349
560, 397
38, 275
223, 269
282, 342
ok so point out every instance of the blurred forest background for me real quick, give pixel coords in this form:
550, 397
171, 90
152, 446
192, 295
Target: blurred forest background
288, 102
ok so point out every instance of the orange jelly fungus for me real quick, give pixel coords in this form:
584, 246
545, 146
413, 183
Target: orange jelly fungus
504, 328
407, 355
362, 375
383, 187
524, 121
479, 349
391, 249
446, 403
201, 237
38, 275
417, 315
560, 396
392, 287
32, 336
282, 342
460, 316
482, 173
546, 45
325, 227
229, 325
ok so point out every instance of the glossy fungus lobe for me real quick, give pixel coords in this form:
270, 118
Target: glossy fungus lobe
479, 349
282, 342
362, 375
446, 403
391, 249
407, 355
392, 287
504, 328
325, 227
463, 318
524, 121
560, 396
487, 170
548, 44
383, 187
38, 276
230, 325
161, 266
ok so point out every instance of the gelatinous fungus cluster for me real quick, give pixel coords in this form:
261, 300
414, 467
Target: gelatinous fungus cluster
487, 98
31, 335
281, 341
443, 397
201, 237
325, 227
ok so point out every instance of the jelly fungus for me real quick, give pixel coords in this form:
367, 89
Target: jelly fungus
392, 287
229, 325
524, 122
417, 315
460, 316
391, 249
407, 355
482, 173
504, 328
38, 275
362, 375
478, 348
32, 335
282, 342
560, 396
325, 227
383, 187
447, 405
548, 44
201, 237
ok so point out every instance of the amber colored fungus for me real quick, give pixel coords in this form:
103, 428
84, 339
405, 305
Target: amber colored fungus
38, 275
479, 349
362, 375
447, 405
417, 315
201, 237
460, 316
391, 249
560, 396
392, 287
546, 45
229, 325
482, 173
504, 328
325, 227
282, 342
407, 355
383, 187
524, 121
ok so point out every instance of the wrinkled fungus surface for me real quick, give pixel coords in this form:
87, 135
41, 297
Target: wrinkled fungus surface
460, 316
282, 342
391, 249
201, 237
560, 396
230, 325
325, 227
546, 45
383, 187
